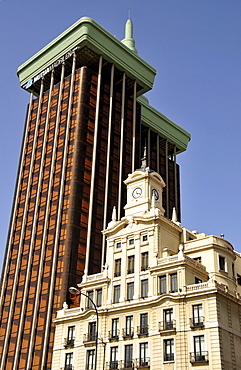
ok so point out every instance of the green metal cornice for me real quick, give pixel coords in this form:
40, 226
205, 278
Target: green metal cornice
86, 32
163, 126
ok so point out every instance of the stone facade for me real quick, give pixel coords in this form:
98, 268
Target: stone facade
167, 298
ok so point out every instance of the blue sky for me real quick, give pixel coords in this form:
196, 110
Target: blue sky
195, 45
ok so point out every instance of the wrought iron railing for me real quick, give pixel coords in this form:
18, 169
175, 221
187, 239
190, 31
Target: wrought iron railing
197, 322
167, 325
201, 356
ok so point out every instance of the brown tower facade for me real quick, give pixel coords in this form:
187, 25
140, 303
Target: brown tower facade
84, 134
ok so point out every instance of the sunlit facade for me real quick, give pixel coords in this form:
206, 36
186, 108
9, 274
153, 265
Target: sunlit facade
168, 298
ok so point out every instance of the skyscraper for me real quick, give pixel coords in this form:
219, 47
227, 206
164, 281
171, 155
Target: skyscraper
85, 130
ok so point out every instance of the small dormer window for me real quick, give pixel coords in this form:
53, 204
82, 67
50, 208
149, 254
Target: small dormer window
145, 238
118, 245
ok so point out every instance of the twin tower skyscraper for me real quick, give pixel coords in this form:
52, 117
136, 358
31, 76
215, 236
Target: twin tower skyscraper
86, 127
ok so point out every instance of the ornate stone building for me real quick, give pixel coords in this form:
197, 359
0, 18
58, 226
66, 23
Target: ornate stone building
168, 298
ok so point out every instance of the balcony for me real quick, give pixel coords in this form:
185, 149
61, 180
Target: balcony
113, 335
126, 364
113, 365
144, 267
130, 271
167, 326
68, 342
199, 357
197, 322
142, 330
143, 363
127, 333
89, 337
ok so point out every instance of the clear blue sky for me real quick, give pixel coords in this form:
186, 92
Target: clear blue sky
195, 45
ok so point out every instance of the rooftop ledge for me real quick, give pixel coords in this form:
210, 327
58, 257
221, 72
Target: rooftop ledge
86, 32
163, 126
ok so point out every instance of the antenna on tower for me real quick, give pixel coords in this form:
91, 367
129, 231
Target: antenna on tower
129, 13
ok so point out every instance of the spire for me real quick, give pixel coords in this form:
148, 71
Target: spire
174, 215
144, 160
128, 40
114, 214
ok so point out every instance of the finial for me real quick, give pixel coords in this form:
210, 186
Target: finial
129, 13
128, 40
114, 214
144, 159
174, 215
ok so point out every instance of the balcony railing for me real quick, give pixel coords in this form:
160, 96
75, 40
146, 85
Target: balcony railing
126, 364
197, 357
196, 322
113, 335
130, 271
144, 267
142, 330
169, 357
113, 365
67, 367
167, 325
89, 337
143, 363
128, 333
68, 342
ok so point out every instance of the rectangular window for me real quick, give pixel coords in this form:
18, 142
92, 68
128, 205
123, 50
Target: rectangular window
221, 263
168, 319
168, 345
114, 358
69, 361
92, 331
144, 323
128, 356
131, 261
144, 354
145, 238
233, 270
130, 291
118, 245
173, 282
197, 312
238, 279
163, 284
144, 288
114, 328
99, 297
144, 261
131, 241
116, 293
117, 267
91, 296
70, 337
129, 326
91, 359
199, 348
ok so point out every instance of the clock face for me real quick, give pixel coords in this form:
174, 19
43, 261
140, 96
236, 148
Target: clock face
156, 194
137, 193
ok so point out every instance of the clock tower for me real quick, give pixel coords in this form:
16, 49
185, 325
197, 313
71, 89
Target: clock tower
144, 190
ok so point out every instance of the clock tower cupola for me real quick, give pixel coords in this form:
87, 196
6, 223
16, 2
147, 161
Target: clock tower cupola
144, 190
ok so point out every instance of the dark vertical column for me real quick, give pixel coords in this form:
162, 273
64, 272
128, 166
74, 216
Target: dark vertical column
88, 242
14, 291
167, 180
